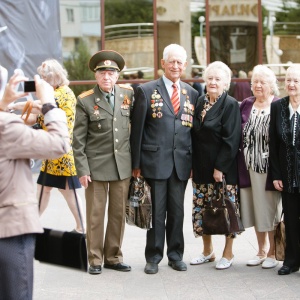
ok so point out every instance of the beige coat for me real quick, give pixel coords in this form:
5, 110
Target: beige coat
18, 142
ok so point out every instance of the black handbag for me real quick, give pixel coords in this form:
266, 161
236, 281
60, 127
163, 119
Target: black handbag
139, 204
62, 248
215, 218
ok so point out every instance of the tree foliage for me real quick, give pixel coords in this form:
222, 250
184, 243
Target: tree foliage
124, 11
77, 67
289, 14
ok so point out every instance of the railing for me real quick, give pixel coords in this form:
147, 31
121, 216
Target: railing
287, 28
128, 30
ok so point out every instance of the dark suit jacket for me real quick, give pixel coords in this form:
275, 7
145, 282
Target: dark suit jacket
282, 155
216, 140
159, 144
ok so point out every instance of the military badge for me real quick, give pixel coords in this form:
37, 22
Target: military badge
184, 91
96, 110
126, 102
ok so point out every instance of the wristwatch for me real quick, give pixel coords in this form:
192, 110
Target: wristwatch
46, 107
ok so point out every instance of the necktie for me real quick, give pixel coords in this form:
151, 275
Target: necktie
175, 99
109, 100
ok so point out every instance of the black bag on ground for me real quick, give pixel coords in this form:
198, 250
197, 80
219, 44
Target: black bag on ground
62, 248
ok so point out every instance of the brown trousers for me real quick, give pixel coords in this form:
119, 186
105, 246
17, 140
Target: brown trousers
106, 248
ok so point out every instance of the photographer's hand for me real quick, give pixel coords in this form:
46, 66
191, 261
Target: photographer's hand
10, 93
44, 91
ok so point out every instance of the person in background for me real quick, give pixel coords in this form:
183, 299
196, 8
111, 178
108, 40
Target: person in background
285, 164
260, 202
61, 172
139, 75
197, 85
160, 73
162, 118
19, 214
215, 137
232, 83
242, 89
103, 161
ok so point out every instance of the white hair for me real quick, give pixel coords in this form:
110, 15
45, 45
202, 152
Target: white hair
180, 51
268, 75
218, 66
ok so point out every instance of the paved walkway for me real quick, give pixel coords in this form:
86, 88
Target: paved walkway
198, 282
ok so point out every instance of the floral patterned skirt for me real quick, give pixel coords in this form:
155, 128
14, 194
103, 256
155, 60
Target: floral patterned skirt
202, 194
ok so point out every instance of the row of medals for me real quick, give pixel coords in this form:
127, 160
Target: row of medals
187, 117
156, 105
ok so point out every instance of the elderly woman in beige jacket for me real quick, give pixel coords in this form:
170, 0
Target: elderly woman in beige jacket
19, 214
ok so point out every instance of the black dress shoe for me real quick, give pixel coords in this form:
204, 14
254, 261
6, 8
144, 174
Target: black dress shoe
285, 270
94, 270
151, 268
118, 267
177, 265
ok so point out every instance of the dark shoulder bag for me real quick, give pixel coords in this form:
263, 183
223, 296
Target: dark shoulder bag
62, 248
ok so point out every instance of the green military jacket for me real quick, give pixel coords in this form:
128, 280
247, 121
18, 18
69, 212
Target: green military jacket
101, 136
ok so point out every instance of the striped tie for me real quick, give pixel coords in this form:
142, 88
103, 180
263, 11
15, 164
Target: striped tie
175, 99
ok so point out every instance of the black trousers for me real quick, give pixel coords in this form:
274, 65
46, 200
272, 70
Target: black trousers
168, 213
16, 267
291, 210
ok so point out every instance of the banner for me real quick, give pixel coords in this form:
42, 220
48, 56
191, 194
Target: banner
30, 34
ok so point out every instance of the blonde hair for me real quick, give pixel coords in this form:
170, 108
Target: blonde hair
219, 66
53, 72
269, 76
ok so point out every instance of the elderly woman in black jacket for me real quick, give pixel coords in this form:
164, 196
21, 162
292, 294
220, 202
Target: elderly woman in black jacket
215, 137
285, 164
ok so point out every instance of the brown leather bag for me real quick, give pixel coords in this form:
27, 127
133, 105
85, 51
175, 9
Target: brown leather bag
215, 216
232, 210
279, 240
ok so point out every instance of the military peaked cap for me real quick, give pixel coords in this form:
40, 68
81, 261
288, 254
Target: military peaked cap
106, 60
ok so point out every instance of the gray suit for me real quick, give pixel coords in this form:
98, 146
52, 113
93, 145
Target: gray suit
102, 150
161, 148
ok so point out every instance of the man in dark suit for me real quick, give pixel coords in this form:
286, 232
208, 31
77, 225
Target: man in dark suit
103, 161
161, 148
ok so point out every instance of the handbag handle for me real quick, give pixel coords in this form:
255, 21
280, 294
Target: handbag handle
42, 189
222, 194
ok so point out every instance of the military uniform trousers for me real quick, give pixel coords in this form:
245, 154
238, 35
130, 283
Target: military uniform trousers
107, 247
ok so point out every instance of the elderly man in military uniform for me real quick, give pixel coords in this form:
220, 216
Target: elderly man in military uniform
103, 161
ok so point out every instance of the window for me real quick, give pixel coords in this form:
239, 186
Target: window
70, 15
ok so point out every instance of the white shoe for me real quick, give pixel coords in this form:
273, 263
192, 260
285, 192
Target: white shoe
269, 263
256, 261
224, 263
202, 259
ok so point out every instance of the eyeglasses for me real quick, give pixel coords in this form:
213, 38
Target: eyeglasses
174, 62
109, 73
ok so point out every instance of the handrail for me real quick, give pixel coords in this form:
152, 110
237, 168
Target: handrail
128, 30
